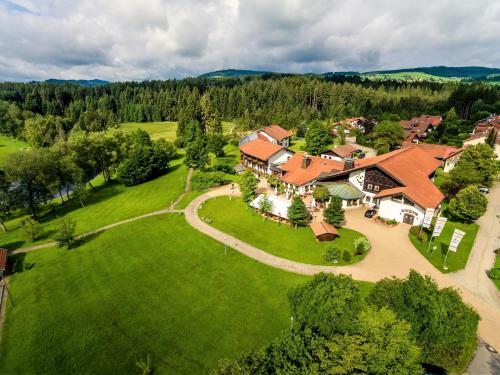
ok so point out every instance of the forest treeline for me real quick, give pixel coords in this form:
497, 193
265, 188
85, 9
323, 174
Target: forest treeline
290, 101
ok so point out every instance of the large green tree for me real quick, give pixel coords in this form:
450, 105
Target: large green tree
317, 137
334, 213
444, 327
197, 153
297, 212
468, 205
387, 135
248, 184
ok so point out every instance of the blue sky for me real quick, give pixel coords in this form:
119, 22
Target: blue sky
159, 39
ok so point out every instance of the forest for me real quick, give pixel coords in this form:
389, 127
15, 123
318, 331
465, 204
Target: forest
41, 112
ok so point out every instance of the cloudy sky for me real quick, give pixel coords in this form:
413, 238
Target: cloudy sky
158, 39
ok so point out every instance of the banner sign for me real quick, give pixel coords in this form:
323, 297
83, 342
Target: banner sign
455, 240
429, 214
440, 222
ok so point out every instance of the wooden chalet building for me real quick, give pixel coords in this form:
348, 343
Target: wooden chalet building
418, 128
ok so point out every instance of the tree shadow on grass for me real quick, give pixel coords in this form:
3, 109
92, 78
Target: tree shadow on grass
13, 245
85, 239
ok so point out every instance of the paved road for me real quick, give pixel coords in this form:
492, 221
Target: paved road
392, 254
482, 258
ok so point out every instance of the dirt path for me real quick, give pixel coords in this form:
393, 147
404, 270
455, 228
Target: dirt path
186, 189
482, 258
392, 254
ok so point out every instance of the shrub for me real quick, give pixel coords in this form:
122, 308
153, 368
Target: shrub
346, 256
223, 167
32, 229
423, 237
382, 220
361, 245
65, 235
494, 274
332, 254
205, 180
392, 222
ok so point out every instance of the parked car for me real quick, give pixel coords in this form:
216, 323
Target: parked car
433, 369
361, 156
358, 151
484, 189
370, 213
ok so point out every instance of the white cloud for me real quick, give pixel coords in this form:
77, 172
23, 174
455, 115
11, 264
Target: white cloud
128, 39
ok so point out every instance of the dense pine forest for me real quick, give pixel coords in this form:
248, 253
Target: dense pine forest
291, 101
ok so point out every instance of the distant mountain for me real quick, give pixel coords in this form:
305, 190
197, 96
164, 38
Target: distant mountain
234, 73
81, 82
472, 72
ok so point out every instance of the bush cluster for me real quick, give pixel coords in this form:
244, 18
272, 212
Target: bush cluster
205, 180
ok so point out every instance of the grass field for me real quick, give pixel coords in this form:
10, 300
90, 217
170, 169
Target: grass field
155, 287
455, 261
108, 204
9, 145
299, 144
409, 76
164, 129
234, 218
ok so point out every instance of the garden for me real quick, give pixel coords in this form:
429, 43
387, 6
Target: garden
233, 217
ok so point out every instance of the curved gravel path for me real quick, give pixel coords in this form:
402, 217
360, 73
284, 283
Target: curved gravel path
392, 254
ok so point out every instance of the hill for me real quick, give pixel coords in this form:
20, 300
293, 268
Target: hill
471, 72
234, 73
81, 82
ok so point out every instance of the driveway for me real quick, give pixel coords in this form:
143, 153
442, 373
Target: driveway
392, 254
473, 277
369, 152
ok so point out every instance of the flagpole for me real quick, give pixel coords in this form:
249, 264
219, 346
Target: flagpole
446, 257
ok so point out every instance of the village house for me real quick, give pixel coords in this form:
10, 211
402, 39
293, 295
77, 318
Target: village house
482, 131
276, 134
339, 153
361, 123
398, 183
263, 156
418, 128
447, 155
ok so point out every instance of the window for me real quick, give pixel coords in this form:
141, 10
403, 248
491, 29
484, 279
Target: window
408, 202
369, 186
376, 188
367, 199
397, 198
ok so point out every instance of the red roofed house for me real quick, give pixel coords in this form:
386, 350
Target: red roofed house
263, 156
3, 261
398, 183
276, 134
482, 131
447, 155
418, 128
339, 153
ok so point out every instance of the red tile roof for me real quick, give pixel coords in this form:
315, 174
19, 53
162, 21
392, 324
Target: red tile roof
344, 150
323, 228
3, 259
297, 175
260, 149
441, 152
276, 132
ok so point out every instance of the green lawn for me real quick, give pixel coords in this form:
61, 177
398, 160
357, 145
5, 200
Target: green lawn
164, 129
497, 265
299, 144
108, 204
441, 178
233, 217
156, 287
455, 261
9, 145
409, 76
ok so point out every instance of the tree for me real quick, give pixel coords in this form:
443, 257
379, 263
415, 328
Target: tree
387, 135
361, 245
216, 143
444, 327
468, 205
297, 212
248, 184
317, 137
29, 170
197, 153
265, 205
31, 229
65, 234
321, 194
327, 304
477, 166
8, 200
334, 213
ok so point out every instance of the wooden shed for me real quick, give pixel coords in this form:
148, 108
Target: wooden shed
324, 231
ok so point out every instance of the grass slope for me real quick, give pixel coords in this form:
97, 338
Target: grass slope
408, 76
108, 204
455, 261
233, 217
9, 145
155, 287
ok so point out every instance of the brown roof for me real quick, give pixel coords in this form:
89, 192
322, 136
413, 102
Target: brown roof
344, 151
260, 149
297, 175
323, 228
3, 259
441, 152
276, 132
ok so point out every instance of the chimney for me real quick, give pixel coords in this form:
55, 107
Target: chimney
348, 164
306, 161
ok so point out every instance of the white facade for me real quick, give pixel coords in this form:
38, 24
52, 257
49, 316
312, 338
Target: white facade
390, 209
285, 142
451, 162
331, 157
